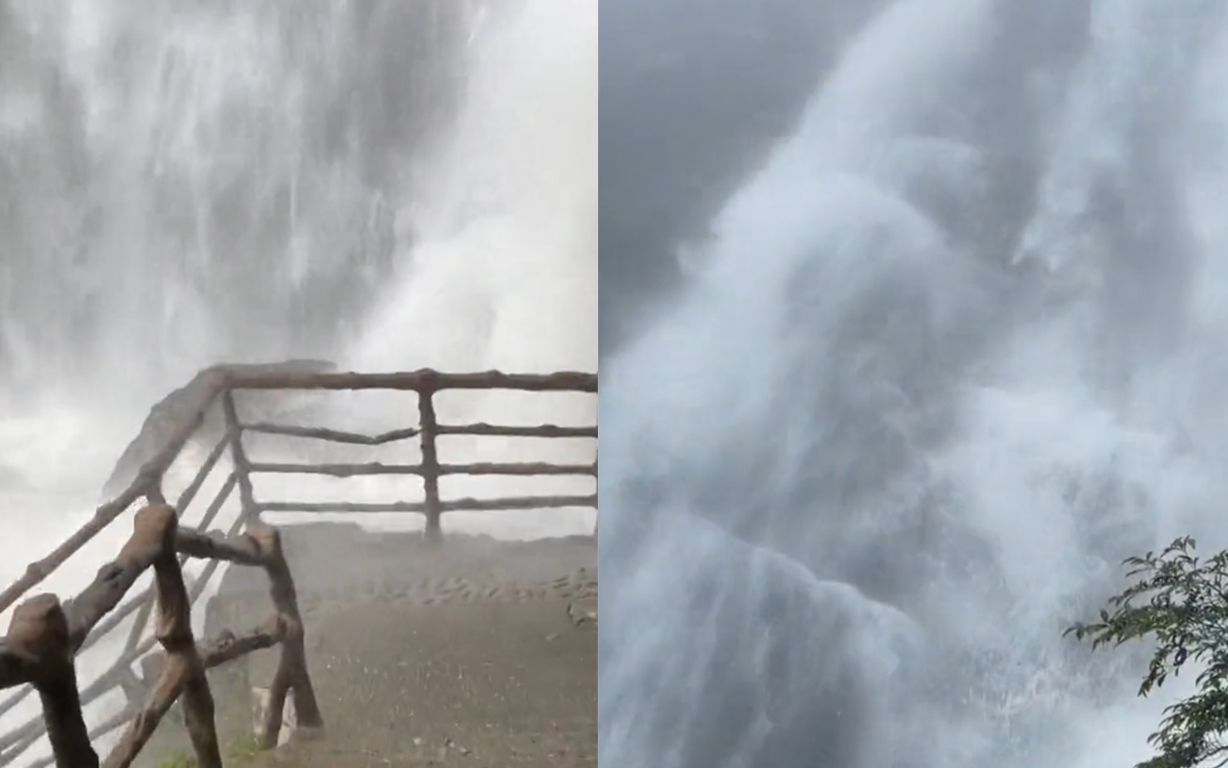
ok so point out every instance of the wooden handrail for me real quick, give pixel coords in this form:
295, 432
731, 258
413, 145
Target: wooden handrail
183, 674
420, 381
377, 468
17, 741
481, 429
332, 435
20, 739
493, 430
44, 636
454, 505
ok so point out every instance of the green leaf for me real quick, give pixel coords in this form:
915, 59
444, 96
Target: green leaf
1183, 615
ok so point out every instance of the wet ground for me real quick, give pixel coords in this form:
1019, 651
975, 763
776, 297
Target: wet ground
479, 653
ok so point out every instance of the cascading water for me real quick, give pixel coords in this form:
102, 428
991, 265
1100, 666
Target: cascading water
185, 184
945, 358
388, 185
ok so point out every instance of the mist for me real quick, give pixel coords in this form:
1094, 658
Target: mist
389, 186
942, 352
386, 185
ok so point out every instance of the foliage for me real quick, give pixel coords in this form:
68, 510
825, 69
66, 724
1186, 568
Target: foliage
1181, 602
243, 751
239, 752
178, 759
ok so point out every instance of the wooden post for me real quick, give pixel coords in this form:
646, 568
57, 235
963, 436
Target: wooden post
234, 431
183, 674
430, 464
291, 674
38, 635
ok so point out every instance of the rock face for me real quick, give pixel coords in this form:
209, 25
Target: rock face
166, 416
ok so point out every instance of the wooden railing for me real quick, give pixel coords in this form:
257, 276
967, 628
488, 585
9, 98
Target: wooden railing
45, 637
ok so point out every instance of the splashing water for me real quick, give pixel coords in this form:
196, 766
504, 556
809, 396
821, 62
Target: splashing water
388, 185
949, 354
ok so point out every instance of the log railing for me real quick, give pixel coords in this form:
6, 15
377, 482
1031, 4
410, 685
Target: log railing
45, 637
425, 384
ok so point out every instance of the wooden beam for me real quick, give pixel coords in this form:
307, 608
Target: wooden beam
332, 435
337, 470
430, 466
219, 499
183, 672
454, 505
424, 380
218, 546
234, 434
224, 649
493, 430
202, 474
378, 468
38, 636
115, 578
291, 674
479, 429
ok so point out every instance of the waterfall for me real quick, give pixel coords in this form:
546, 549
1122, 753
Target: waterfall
947, 353
387, 185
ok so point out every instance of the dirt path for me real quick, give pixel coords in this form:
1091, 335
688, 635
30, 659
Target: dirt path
489, 661
479, 684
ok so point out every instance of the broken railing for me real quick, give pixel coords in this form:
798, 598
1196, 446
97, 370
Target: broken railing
45, 637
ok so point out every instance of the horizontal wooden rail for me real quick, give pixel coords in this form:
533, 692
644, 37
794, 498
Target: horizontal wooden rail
522, 468
336, 470
456, 505
45, 636
377, 468
479, 430
215, 545
494, 430
420, 381
211, 382
332, 435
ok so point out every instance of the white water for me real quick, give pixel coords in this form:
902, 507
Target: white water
391, 187
906, 419
388, 185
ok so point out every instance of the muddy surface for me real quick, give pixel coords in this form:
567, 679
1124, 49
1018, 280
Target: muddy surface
477, 653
